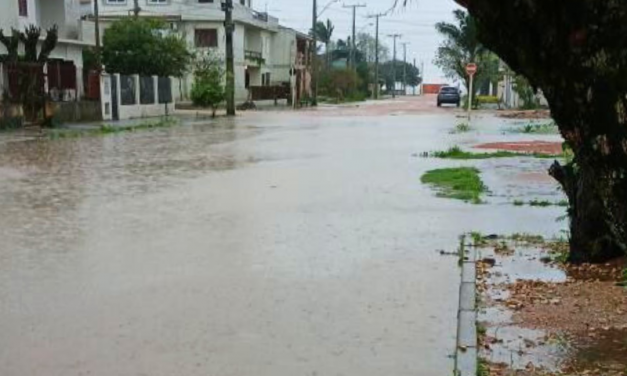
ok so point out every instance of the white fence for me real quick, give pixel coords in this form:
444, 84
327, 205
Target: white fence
132, 96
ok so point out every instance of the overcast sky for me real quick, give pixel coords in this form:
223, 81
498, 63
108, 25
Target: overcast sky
415, 22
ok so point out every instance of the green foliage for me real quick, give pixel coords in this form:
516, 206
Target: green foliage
457, 153
34, 53
487, 99
208, 89
483, 368
461, 128
461, 47
526, 93
478, 239
90, 61
527, 238
387, 70
324, 31
461, 183
367, 45
545, 128
145, 47
340, 83
10, 122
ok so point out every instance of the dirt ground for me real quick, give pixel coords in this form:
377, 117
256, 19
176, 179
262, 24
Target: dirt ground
552, 148
559, 320
530, 114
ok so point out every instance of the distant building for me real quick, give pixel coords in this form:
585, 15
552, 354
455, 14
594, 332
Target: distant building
266, 53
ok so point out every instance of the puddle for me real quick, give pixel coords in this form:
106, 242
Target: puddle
524, 265
517, 347
518, 319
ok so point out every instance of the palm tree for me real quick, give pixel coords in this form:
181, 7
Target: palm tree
324, 33
461, 46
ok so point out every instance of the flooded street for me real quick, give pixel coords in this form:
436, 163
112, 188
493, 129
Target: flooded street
273, 244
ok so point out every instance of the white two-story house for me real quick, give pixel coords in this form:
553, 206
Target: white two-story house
265, 53
65, 78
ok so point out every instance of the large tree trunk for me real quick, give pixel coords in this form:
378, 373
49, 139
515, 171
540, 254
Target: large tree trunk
574, 51
590, 236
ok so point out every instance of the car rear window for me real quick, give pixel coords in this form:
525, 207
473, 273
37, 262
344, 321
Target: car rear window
449, 90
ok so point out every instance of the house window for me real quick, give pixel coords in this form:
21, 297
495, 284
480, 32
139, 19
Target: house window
206, 38
116, 1
205, 1
157, 1
23, 7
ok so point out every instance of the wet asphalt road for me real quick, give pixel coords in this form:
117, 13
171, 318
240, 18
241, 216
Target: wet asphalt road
275, 244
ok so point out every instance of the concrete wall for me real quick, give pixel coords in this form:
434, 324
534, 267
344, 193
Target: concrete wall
33, 15
8, 15
79, 111
283, 52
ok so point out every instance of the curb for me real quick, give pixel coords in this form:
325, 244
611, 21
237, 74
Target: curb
466, 352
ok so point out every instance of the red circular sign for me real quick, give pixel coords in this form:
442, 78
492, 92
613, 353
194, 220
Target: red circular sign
471, 69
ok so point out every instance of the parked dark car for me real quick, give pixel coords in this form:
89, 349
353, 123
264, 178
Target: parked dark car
449, 95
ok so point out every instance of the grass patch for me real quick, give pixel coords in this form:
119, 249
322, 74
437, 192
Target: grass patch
546, 128
540, 203
483, 369
527, 238
461, 183
457, 153
461, 128
106, 129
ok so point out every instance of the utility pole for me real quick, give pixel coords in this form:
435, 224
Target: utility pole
395, 37
376, 55
405, 67
352, 62
97, 33
136, 8
419, 74
314, 56
229, 26
422, 77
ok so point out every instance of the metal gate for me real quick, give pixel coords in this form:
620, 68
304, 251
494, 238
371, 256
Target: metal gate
114, 97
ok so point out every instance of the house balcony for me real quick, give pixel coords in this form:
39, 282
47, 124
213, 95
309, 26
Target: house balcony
254, 58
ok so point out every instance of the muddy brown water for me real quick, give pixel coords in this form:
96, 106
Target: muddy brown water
272, 244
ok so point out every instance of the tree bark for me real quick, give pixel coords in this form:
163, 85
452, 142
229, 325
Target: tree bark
590, 236
574, 51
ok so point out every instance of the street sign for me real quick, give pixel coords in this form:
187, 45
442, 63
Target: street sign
471, 69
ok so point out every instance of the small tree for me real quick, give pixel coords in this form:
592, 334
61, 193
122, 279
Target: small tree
324, 33
208, 88
30, 64
387, 73
462, 46
145, 47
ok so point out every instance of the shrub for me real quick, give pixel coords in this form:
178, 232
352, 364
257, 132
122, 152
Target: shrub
208, 89
340, 83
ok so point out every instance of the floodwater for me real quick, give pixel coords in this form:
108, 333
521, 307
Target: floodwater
277, 243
